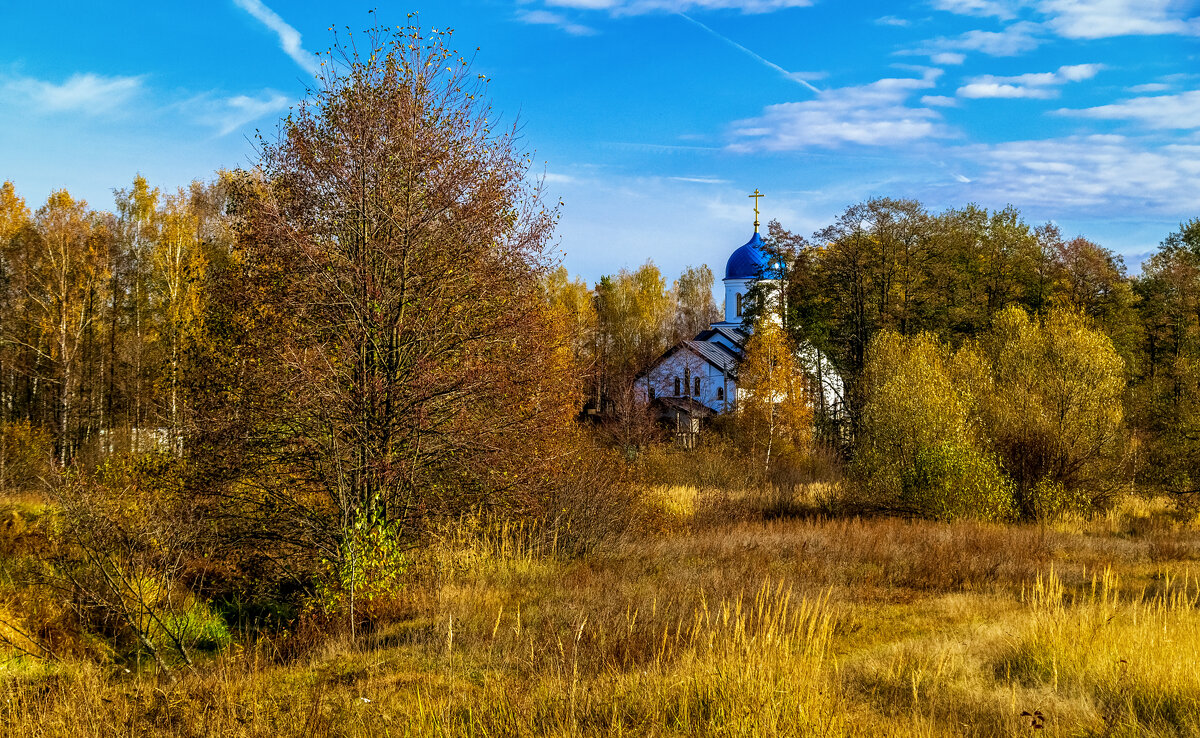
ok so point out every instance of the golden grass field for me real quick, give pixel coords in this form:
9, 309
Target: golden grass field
758, 627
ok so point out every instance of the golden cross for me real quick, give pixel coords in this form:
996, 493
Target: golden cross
756, 195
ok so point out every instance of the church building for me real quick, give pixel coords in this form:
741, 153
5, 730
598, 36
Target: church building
696, 379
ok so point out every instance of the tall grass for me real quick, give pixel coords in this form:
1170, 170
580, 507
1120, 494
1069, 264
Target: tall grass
779, 626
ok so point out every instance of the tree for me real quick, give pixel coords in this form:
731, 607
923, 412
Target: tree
380, 352
574, 306
1055, 413
772, 402
695, 307
919, 448
1165, 401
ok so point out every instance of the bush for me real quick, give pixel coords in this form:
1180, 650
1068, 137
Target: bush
951, 481
26, 456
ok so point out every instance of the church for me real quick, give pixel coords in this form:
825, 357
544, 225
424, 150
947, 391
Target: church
697, 379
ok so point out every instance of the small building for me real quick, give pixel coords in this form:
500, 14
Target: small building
702, 372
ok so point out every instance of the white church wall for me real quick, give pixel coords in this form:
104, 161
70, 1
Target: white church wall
734, 288
686, 365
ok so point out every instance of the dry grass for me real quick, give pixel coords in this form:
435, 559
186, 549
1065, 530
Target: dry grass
784, 626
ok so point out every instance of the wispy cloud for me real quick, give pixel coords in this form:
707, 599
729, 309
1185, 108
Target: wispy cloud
289, 38
1002, 9
1090, 19
1150, 87
638, 7
1099, 173
1181, 111
1041, 85
876, 114
891, 20
229, 114
797, 77
701, 180
558, 20
949, 58
81, 93
1015, 39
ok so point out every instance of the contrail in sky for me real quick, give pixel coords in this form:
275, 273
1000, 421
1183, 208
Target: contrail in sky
790, 75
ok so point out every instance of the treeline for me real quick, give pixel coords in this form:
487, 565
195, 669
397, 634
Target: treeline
627, 320
889, 280
98, 313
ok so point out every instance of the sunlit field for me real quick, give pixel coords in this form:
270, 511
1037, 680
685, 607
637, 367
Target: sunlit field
784, 626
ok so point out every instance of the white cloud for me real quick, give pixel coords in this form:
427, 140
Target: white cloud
1003, 9
939, 101
891, 20
875, 114
1097, 173
638, 7
1150, 87
700, 180
556, 178
1090, 19
1181, 111
948, 58
82, 93
228, 114
289, 38
1015, 39
1039, 85
558, 20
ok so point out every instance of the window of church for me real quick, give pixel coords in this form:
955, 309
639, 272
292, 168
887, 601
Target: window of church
720, 393
687, 380
651, 393
677, 386
739, 305
697, 392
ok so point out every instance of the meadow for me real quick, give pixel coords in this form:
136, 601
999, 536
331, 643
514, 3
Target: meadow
736, 616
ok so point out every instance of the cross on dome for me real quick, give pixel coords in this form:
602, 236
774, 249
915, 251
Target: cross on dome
756, 195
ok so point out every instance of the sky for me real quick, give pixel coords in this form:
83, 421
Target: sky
653, 120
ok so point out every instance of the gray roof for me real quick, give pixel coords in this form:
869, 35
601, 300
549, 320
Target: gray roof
716, 354
734, 335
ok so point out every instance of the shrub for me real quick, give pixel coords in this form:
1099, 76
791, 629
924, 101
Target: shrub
950, 481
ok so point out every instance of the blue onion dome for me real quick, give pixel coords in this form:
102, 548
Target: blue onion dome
748, 261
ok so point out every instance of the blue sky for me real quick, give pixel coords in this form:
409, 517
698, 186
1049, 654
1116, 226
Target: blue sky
653, 119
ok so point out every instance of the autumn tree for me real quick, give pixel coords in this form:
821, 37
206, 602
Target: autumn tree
1165, 400
773, 401
573, 305
920, 448
1055, 414
381, 353
1028, 420
695, 308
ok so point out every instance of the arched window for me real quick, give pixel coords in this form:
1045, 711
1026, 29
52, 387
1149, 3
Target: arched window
677, 386
739, 305
720, 393
651, 393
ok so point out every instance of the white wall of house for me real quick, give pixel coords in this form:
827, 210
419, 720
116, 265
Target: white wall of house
716, 390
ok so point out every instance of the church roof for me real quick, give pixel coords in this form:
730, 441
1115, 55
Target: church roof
716, 354
748, 261
736, 336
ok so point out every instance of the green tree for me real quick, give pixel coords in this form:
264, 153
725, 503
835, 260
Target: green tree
920, 447
1055, 414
